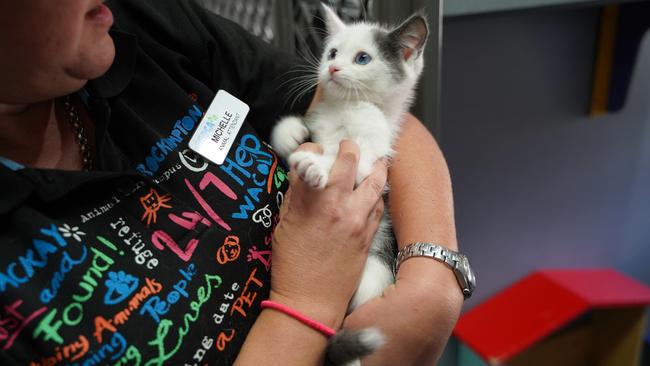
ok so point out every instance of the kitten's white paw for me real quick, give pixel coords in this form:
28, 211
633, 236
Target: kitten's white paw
310, 168
287, 135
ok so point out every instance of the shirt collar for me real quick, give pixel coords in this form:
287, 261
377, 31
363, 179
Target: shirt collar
46, 185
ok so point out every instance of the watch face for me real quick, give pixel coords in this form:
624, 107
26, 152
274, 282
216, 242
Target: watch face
471, 278
467, 278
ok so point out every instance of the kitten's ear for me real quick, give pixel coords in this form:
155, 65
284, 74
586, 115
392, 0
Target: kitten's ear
332, 21
412, 35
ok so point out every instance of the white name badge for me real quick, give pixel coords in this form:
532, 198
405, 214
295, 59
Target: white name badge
219, 127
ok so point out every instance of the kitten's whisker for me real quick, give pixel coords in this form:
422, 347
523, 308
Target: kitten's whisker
363, 92
322, 32
364, 10
304, 74
363, 87
311, 63
348, 92
302, 66
301, 87
308, 54
354, 89
320, 18
300, 96
310, 58
299, 68
296, 78
295, 82
352, 86
297, 87
302, 90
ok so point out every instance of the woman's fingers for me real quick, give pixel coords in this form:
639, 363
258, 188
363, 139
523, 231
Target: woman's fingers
374, 219
310, 146
344, 170
371, 189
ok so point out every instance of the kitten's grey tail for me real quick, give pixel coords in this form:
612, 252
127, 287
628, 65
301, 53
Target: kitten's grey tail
348, 345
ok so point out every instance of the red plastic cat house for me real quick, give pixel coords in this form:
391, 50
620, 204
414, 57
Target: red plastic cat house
558, 317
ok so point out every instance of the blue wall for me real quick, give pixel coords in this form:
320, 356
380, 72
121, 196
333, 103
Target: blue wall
537, 182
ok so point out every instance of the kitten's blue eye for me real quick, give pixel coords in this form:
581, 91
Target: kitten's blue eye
362, 58
332, 54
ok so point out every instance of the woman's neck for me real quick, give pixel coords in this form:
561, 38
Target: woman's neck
38, 135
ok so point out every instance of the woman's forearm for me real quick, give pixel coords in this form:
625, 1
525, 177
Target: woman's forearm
276, 339
421, 196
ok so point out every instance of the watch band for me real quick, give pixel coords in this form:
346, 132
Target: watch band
458, 263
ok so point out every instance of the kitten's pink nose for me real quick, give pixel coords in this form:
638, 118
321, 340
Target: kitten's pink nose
333, 69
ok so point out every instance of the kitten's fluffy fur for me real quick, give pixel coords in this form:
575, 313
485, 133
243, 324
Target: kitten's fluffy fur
363, 102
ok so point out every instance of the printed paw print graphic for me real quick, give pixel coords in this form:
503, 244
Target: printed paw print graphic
119, 286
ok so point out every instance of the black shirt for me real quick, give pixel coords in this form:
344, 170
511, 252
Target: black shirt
158, 256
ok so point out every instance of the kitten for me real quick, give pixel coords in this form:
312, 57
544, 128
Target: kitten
368, 74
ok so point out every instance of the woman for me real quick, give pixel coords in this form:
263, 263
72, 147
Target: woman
121, 246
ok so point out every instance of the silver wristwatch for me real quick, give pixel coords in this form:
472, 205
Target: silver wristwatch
454, 260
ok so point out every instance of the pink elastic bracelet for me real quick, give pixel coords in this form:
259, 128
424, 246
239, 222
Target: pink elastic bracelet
299, 317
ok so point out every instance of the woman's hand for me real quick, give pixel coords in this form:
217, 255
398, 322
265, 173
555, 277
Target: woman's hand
322, 240
319, 248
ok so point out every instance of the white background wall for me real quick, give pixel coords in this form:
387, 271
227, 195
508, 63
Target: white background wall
537, 182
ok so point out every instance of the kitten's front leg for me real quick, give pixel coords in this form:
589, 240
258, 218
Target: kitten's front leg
312, 168
287, 135
367, 158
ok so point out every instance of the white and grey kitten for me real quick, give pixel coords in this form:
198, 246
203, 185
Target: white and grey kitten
368, 74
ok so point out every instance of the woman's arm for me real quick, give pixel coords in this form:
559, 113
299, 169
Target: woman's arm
277, 339
418, 313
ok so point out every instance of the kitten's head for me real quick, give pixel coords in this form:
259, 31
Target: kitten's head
364, 61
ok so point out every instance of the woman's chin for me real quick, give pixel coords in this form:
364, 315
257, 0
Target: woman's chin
94, 64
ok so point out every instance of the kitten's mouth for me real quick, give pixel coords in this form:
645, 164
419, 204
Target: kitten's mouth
336, 82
